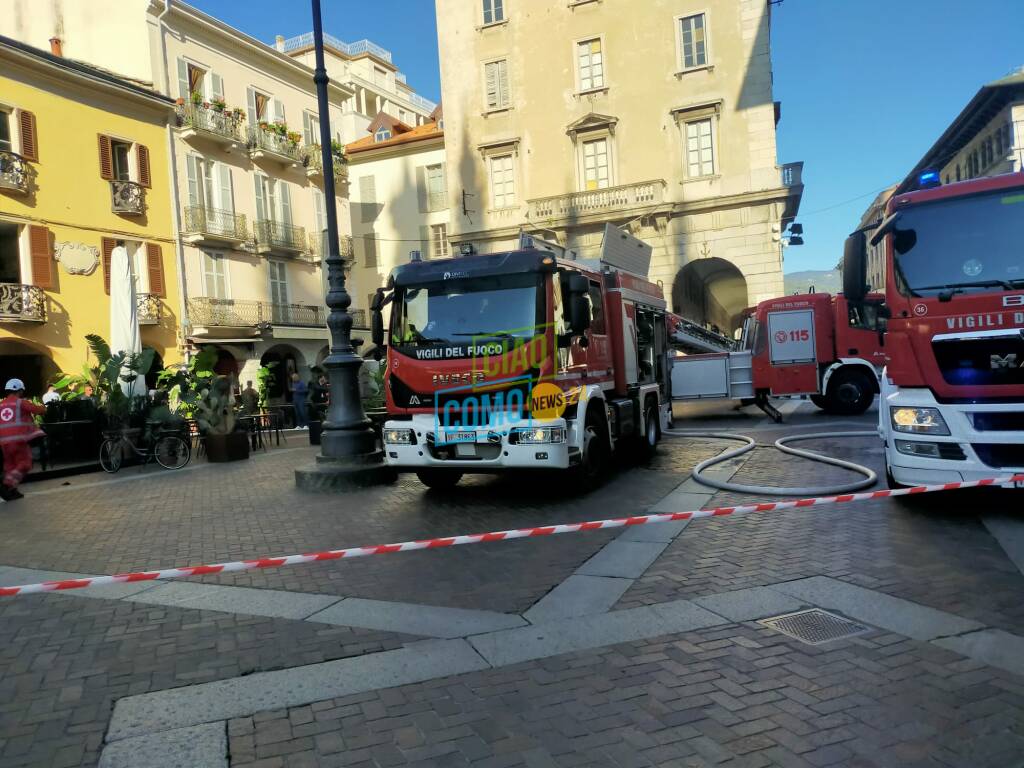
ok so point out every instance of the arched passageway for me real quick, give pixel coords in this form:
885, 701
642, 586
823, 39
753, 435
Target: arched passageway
712, 292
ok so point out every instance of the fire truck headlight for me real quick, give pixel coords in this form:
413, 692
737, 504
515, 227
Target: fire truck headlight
538, 435
922, 421
398, 436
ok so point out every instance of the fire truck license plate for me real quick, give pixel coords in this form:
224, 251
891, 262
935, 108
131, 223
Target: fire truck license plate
459, 437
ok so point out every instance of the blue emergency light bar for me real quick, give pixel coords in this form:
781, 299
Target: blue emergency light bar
928, 179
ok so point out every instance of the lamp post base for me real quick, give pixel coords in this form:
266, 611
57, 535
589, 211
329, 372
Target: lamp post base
344, 474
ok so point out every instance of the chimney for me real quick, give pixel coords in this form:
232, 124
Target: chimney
279, 43
56, 47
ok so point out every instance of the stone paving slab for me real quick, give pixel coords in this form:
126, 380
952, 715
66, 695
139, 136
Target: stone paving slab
991, 646
210, 702
426, 620
623, 559
200, 746
749, 604
255, 602
579, 633
578, 595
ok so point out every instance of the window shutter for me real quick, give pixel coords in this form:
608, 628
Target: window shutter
192, 169
142, 157
422, 195
250, 100
29, 142
107, 248
285, 196
261, 202
41, 254
227, 198
307, 129
216, 86
183, 79
106, 158
491, 72
425, 242
278, 111
155, 264
503, 83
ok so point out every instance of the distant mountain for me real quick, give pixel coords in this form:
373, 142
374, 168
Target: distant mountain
823, 280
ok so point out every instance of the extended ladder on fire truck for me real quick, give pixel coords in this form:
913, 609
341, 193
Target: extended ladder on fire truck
691, 337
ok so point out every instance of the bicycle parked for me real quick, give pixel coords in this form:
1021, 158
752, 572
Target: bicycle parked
166, 446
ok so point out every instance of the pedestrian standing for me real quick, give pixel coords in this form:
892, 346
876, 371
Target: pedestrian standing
300, 392
17, 428
51, 395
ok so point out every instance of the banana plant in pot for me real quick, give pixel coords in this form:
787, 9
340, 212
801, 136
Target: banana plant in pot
225, 437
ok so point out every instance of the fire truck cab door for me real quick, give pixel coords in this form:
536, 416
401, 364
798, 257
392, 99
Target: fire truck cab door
792, 352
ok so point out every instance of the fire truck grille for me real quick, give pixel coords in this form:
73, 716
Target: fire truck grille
1000, 455
981, 362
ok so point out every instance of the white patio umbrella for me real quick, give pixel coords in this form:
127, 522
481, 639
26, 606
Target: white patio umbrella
124, 314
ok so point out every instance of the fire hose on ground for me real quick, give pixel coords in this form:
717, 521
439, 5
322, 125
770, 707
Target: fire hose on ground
749, 444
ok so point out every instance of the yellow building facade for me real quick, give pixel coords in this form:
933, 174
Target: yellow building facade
83, 167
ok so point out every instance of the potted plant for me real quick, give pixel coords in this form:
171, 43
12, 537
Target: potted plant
219, 105
294, 138
226, 439
197, 98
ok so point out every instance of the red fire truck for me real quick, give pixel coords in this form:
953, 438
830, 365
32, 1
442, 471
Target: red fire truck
523, 359
952, 393
810, 344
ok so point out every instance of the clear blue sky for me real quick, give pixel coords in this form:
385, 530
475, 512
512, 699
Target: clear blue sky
866, 85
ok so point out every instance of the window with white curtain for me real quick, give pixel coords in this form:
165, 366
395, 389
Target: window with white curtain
700, 153
503, 185
596, 174
590, 58
215, 280
439, 248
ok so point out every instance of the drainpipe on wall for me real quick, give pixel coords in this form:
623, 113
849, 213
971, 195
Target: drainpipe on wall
175, 199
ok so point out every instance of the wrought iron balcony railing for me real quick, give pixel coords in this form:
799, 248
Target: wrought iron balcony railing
14, 172
150, 310
202, 223
264, 142
598, 201
231, 313
127, 197
275, 236
23, 303
315, 164
358, 318
224, 127
316, 246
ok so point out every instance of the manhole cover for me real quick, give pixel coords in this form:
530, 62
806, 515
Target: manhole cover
815, 626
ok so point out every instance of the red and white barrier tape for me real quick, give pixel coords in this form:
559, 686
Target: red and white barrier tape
479, 538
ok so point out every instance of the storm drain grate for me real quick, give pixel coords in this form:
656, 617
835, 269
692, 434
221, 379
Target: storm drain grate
815, 626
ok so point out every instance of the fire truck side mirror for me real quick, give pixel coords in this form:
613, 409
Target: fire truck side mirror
855, 276
377, 318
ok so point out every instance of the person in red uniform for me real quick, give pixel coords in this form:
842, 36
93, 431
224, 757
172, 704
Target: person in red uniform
17, 427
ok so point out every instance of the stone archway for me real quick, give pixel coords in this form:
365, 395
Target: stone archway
28, 362
712, 292
288, 360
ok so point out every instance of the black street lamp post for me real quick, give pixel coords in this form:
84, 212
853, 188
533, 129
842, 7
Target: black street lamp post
349, 453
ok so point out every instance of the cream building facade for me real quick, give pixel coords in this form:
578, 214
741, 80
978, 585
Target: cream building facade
248, 199
399, 202
656, 116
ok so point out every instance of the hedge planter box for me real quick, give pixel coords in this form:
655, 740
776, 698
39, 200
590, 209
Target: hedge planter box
230, 447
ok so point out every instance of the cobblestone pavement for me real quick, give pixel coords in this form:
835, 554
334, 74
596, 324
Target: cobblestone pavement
737, 694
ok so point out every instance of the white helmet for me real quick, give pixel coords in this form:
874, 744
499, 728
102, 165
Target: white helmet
15, 385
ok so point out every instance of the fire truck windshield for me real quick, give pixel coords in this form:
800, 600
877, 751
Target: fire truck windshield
456, 315
958, 245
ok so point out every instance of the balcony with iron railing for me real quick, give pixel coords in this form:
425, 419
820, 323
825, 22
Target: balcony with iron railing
14, 172
279, 238
268, 144
598, 202
127, 198
149, 308
316, 247
330, 41
315, 164
231, 313
197, 121
22, 303
213, 226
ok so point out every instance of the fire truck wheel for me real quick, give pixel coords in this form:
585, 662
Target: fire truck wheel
849, 393
439, 478
820, 401
652, 432
594, 462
